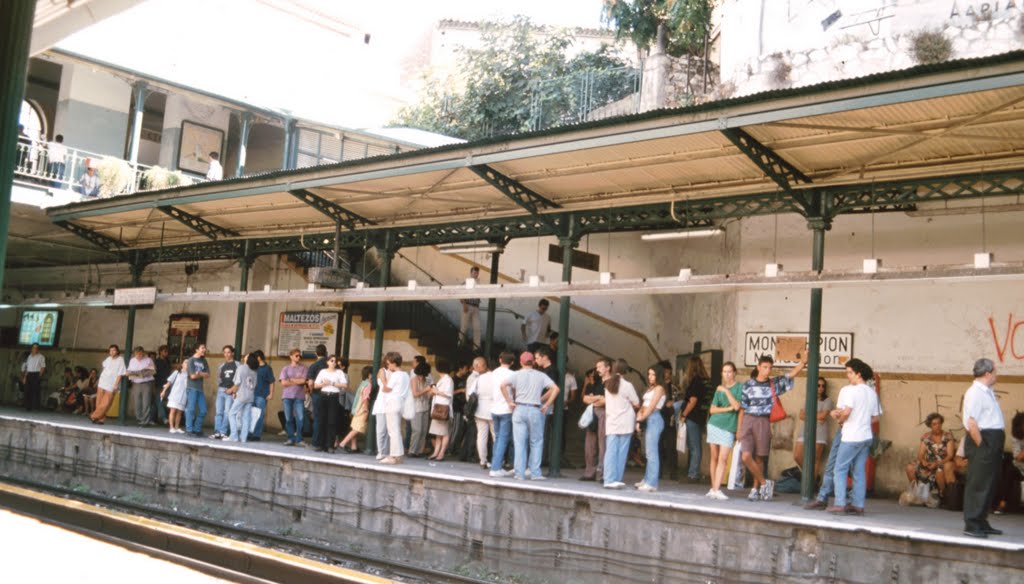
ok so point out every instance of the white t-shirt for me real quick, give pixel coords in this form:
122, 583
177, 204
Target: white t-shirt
537, 326
398, 381
378, 404
499, 407
113, 367
619, 416
445, 389
483, 389
34, 363
863, 402
336, 379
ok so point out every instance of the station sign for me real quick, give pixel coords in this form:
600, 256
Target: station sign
835, 349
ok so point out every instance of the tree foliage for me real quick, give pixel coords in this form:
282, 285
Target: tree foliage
677, 26
513, 83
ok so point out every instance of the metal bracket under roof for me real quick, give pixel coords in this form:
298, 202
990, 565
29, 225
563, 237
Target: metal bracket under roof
774, 166
336, 212
198, 224
519, 193
97, 239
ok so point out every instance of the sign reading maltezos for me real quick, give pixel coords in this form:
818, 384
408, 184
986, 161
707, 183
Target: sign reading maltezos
835, 349
134, 296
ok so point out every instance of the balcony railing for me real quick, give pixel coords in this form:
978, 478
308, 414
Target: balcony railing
37, 162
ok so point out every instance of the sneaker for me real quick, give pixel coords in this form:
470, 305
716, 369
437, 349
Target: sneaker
646, 488
539, 477
518, 478
300, 444
216, 436
710, 494
179, 431
768, 490
719, 496
289, 443
639, 484
230, 439
497, 474
755, 494
615, 485
282, 433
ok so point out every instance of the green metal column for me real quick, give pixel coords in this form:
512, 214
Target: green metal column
129, 338
346, 333
139, 92
492, 305
15, 35
568, 243
818, 225
243, 286
243, 143
387, 252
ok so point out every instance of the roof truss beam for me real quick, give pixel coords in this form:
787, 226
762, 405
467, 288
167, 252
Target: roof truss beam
98, 239
775, 167
519, 193
198, 224
336, 212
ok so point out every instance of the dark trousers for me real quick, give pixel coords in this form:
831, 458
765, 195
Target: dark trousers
32, 391
329, 413
317, 419
667, 445
983, 470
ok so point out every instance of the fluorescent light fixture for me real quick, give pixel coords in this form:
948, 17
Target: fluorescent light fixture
682, 234
871, 265
453, 248
47, 305
982, 261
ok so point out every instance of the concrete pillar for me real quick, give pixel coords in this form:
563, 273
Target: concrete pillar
15, 37
139, 91
243, 143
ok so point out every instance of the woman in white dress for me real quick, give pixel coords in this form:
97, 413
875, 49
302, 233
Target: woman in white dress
109, 383
176, 384
442, 392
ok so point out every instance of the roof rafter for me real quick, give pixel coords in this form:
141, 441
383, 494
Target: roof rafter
98, 239
336, 212
775, 167
197, 223
519, 193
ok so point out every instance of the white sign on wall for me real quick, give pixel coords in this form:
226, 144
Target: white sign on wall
835, 348
306, 330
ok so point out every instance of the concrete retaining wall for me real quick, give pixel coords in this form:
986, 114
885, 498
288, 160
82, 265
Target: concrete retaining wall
523, 532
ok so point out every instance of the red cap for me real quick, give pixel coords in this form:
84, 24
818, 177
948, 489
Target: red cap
526, 358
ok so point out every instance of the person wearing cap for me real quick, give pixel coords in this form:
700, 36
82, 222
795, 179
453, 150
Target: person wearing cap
529, 394
141, 372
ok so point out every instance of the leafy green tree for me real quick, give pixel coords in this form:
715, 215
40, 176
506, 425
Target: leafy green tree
516, 82
676, 27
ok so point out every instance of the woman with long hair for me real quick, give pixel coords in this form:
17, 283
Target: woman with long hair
331, 382
821, 434
722, 423
694, 413
653, 424
109, 383
620, 405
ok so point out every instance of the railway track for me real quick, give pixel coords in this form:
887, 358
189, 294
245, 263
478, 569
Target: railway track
234, 553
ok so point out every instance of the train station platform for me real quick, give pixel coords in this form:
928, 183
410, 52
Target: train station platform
453, 515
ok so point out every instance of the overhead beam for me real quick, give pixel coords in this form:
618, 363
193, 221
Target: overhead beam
336, 212
519, 193
198, 224
98, 239
775, 167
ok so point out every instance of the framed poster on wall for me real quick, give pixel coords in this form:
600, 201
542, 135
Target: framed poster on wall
184, 332
196, 144
306, 330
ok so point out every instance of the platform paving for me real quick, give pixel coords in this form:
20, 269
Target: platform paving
883, 515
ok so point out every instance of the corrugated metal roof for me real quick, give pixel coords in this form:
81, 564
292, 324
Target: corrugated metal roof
960, 116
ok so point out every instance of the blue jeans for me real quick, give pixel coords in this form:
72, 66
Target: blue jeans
615, 452
293, 418
502, 433
195, 410
652, 438
856, 454
695, 447
827, 487
220, 421
316, 395
528, 436
261, 403
240, 420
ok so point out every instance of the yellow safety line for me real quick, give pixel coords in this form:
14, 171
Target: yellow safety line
208, 539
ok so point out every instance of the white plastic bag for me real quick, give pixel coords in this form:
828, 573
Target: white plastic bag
681, 439
736, 469
254, 418
409, 407
587, 418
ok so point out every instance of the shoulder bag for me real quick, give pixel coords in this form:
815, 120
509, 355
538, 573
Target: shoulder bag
778, 412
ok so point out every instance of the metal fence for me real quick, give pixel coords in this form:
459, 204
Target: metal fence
584, 96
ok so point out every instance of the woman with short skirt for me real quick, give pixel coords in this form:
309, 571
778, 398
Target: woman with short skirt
108, 384
722, 423
442, 393
174, 391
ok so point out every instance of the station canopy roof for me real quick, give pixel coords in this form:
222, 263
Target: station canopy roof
938, 120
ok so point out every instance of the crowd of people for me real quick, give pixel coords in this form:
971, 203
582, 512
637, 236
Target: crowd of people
501, 417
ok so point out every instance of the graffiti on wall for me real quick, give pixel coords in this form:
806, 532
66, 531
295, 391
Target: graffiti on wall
1008, 340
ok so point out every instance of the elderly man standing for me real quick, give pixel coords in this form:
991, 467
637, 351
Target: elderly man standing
985, 426
32, 372
141, 372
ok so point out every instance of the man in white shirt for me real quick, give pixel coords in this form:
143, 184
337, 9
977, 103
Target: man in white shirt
856, 409
141, 372
56, 154
396, 390
216, 171
470, 315
986, 434
501, 415
32, 371
537, 326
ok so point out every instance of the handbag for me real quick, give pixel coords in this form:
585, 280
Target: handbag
681, 439
778, 412
408, 407
586, 418
469, 410
439, 412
